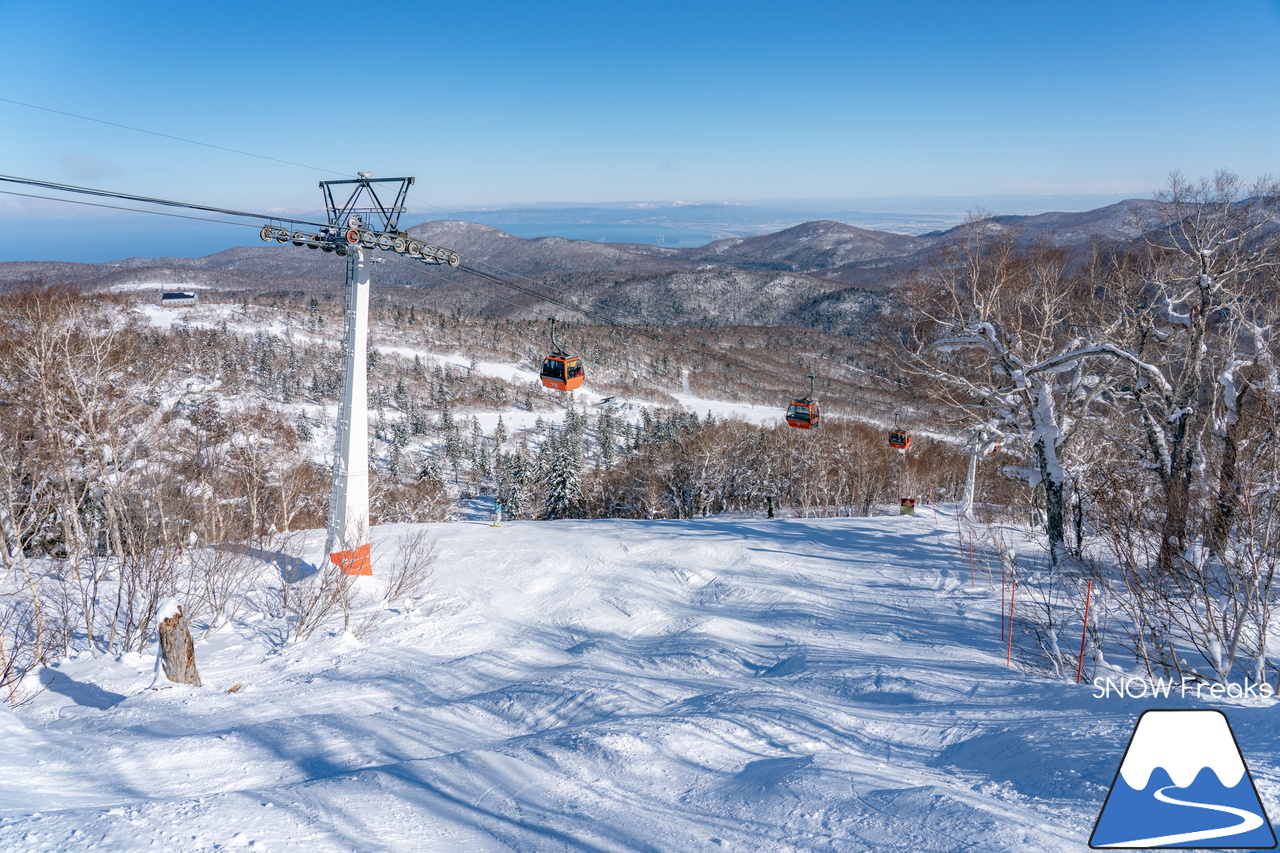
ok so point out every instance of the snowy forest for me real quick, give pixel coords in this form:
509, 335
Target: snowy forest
1139, 387
1119, 406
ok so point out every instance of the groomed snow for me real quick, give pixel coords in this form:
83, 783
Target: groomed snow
709, 685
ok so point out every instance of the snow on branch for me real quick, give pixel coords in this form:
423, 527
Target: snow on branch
1067, 360
953, 344
1271, 373
1172, 316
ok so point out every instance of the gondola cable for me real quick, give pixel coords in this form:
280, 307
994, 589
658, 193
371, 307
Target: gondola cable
128, 209
170, 136
508, 274
719, 356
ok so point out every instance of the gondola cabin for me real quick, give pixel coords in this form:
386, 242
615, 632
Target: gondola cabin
563, 372
899, 439
803, 414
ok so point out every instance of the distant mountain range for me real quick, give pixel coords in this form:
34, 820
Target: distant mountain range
823, 274
703, 220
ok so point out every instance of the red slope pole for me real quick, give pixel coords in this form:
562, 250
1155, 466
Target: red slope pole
972, 582
1084, 631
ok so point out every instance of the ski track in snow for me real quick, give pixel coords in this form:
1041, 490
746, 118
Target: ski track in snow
710, 685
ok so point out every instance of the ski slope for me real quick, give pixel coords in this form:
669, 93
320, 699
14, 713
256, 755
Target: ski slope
721, 684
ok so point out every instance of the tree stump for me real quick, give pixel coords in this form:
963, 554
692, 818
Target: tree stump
177, 650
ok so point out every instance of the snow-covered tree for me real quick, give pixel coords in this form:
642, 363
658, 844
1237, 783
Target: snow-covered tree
563, 475
999, 332
1197, 334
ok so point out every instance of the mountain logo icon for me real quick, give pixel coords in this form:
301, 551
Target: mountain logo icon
1183, 783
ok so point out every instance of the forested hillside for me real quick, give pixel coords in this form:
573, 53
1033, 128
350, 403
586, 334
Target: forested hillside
824, 275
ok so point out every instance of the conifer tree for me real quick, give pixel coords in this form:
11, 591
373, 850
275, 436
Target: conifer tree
604, 440
564, 477
512, 477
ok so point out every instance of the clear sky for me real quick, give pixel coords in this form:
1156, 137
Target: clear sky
490, 102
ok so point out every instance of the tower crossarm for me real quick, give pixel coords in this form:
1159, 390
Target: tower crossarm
375, 224
364, 220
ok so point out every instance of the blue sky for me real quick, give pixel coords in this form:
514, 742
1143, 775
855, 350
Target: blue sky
491, 103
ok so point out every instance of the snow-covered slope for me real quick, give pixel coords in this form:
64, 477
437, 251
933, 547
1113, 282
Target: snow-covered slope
539, 256
813, 245
712, 685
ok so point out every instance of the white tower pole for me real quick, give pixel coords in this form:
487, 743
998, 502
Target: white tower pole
348, 536
970, 480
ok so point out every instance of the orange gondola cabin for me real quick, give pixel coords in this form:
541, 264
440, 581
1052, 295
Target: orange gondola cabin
900, 439
803, 413
560, 370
